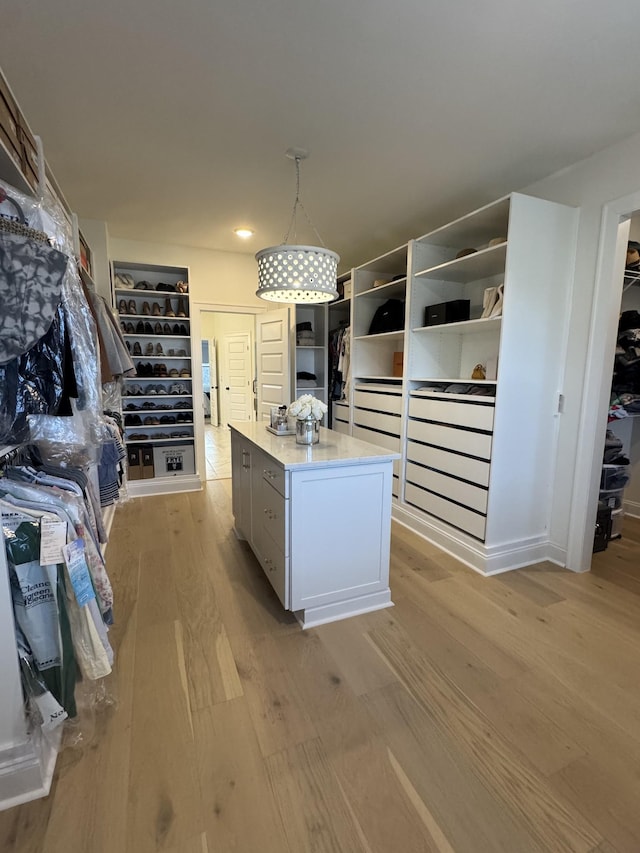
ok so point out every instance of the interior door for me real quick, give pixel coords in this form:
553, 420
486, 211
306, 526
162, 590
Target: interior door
238, 393
213, 380
272, 347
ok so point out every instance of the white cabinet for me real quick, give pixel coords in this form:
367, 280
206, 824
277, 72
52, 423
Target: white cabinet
157, 403
290, 501
480, 465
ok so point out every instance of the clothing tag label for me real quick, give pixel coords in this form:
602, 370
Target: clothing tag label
53, 537
78, 571
53, 714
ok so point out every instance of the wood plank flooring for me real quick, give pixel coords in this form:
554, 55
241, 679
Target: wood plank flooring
478, 715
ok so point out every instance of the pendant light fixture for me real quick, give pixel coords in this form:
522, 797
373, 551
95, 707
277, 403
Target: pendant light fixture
294, 273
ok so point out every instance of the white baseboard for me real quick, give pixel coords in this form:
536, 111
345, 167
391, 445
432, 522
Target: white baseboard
632, 508
164, 486
310, 617
486, 560
26, 771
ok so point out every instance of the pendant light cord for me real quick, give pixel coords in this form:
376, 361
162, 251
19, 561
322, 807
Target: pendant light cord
298, 204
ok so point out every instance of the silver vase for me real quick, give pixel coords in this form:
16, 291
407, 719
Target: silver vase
307, 430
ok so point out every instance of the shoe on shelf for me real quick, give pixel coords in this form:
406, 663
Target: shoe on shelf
185, 374
496, 311
131, 407
143, 285
182, 307
122, 307
168, 308
159, 350
148, 329
166, 329
171, 353
138, 436
174, 374
176, 329
139, 327
155, 310
123, 280
151, 420
146, 309
182, 287
157, 329
149, 405
488, 301
182, 330
182, 353
137, 349
149, 349
128, 346
131, 307
130, 329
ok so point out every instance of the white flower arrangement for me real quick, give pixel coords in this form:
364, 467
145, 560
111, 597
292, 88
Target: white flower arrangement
307, 405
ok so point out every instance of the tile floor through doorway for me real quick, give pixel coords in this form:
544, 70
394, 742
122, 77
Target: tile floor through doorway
217, 449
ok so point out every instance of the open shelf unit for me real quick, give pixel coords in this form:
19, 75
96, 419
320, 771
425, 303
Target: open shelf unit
158, 401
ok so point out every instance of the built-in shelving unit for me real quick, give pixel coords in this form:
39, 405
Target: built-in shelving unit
158, 401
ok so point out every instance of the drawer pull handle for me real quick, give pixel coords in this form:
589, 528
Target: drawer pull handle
269, 474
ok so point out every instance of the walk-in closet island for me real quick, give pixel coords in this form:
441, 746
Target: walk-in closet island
318, 519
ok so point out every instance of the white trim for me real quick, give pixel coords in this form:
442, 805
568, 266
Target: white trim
164, 485
614, 233
26, 771
486, 560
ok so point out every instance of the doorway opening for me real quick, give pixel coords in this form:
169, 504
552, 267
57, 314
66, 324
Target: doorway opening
224, 381
614, 235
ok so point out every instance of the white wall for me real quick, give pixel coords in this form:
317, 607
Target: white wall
590, 185
226, 278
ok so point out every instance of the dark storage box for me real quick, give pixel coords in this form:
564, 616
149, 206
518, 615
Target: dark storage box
454, 311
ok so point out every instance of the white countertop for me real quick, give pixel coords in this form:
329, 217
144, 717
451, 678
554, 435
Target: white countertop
334, 448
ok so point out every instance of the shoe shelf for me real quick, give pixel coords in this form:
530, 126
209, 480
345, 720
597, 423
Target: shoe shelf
156, 328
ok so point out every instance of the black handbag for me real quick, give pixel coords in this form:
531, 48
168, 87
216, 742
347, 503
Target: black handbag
389, 317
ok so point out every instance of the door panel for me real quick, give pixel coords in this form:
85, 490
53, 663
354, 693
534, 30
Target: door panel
238, 393
272, 344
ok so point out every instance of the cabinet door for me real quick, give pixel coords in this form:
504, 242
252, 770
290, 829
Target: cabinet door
241, 485
340, 526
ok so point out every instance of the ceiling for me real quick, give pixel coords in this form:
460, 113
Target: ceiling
171, 120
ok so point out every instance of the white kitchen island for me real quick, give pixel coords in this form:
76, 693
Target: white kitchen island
317, 518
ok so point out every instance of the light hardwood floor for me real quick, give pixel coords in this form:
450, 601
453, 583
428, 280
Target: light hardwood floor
477, 715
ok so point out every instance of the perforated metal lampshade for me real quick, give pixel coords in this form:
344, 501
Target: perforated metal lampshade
297, 274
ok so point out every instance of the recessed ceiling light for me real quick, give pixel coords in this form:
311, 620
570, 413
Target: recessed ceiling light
245, 233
